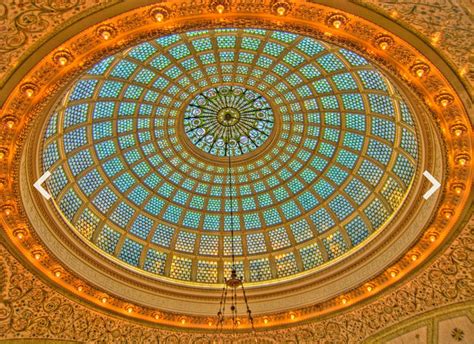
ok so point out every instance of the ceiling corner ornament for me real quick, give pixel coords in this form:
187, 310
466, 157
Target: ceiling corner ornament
44, 83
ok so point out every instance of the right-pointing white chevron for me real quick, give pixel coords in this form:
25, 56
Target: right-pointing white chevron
433, 181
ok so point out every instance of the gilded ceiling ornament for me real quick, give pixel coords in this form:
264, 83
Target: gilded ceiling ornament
62, 57
4, 150
281, 7
337, 20
458, 187
447, 213
458, 129
444, 99
20, 233
7, 209
9, 121
420, 69
106, 32
159, 13
433, 236
29, 89
384, 42
38, 254
219, 6
462, 159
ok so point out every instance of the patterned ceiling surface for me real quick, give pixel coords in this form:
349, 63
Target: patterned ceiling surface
446, 24
330, 154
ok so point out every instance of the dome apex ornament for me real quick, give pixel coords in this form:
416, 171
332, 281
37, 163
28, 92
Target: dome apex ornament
228, 120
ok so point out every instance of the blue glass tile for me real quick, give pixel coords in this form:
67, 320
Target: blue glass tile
130, 252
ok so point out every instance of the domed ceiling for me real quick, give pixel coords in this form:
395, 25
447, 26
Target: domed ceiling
323, 150
349, 143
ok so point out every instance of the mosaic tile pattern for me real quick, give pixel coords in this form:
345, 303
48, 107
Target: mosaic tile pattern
132, 174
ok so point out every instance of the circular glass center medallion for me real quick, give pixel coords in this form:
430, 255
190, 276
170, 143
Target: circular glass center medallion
228, 120
228, 117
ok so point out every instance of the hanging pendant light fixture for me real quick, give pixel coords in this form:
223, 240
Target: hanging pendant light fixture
233, 282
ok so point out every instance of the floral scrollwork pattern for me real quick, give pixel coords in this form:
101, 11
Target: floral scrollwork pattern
26, 23
444, 23
32, 20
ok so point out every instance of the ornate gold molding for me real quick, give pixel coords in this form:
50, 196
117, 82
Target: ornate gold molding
28, 24
444, 26
31, 309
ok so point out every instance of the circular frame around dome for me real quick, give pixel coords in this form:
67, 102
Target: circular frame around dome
60, 251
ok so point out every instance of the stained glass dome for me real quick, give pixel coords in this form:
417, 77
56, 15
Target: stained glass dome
227, 121
324, 146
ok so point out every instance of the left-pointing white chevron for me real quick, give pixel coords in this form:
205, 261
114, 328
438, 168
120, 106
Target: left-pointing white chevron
433, 181
40, 181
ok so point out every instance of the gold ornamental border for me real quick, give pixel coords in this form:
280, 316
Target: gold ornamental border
50, 75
